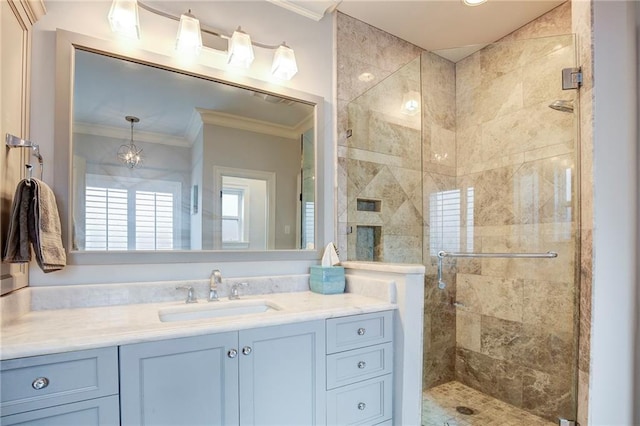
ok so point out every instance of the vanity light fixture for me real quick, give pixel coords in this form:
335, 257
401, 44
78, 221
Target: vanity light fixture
473, 2
189, 38
240, 49
129, 154
284, 63
124, 19
410, 103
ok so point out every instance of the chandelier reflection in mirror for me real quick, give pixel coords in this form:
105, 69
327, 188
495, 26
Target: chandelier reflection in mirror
123, 19
129, 154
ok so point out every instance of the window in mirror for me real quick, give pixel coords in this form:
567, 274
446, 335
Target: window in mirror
192, 130
232, 215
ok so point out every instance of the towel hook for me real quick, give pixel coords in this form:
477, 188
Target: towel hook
29, 173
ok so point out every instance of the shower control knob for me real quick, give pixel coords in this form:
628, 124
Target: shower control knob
246, 350
362, 365
232, 353
362, 406
361, 331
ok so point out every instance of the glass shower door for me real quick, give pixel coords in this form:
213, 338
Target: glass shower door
384, 178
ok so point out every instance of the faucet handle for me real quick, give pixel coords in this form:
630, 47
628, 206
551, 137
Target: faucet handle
233, 293
191, 298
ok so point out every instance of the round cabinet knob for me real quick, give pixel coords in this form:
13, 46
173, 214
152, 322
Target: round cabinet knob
362, 406
246, 350
40, 383
232, 353
362, 364
361, 331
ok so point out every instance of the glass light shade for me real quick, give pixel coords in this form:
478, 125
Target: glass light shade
189, 38
410, 103
473, 2
284, 63
123, 18
130, 155
240, 50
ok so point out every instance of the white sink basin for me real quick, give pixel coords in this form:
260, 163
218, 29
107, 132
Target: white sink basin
216, 310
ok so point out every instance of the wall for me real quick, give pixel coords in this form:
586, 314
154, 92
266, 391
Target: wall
499, 95
615, 232
384, 164
241, 149
439, 160
164, 163
361, 48
313, 44
515, 328
581, 17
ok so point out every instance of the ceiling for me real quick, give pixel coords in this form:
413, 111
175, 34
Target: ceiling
435, 25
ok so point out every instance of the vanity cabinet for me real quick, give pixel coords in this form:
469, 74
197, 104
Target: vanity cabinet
360, 369
69, 388
270, 375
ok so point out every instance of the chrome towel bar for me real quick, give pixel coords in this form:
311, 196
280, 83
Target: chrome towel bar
442, 254
549, 254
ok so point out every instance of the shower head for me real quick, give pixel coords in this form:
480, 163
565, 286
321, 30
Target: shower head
562, 105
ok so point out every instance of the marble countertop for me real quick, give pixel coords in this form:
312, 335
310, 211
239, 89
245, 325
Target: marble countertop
40, 332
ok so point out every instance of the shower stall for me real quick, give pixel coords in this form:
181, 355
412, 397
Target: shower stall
480, 158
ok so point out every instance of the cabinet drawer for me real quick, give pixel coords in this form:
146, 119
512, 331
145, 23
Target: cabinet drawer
348, 367
367, 402
358, 331
43, 381
95, 412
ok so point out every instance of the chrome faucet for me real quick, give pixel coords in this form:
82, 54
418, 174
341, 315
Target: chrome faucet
214, 280
233, 293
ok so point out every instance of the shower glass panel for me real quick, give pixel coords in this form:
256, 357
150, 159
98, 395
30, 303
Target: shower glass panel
486, 166
384, 177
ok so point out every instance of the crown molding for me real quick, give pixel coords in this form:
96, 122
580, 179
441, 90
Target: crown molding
249, 124
120, 133
310, 9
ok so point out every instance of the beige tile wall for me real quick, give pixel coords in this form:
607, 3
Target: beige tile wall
514, 337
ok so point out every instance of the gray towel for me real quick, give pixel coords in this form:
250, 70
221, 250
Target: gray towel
34, 219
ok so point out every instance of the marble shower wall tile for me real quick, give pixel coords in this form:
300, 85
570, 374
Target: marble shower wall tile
362, 48
497, 378
439, 332
516, 333
548, 395
581, 14
555, 22
492, 296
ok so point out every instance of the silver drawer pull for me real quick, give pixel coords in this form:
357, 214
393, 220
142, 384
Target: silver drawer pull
40, 383
361, 331
246, 350
362, 364
362, 406
232, 353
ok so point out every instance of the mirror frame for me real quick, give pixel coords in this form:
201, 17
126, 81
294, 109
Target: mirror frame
66, 45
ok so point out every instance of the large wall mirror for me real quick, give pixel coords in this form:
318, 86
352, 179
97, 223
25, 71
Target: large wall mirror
223, 167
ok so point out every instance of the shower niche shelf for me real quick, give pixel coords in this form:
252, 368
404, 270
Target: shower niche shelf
368, 205
369, 243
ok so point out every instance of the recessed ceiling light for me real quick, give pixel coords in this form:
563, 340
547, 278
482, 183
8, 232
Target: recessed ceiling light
473, 2
366, 76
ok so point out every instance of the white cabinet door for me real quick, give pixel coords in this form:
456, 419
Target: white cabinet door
186, 381
282, 375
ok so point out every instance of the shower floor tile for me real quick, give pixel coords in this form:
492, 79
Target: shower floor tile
439, 409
